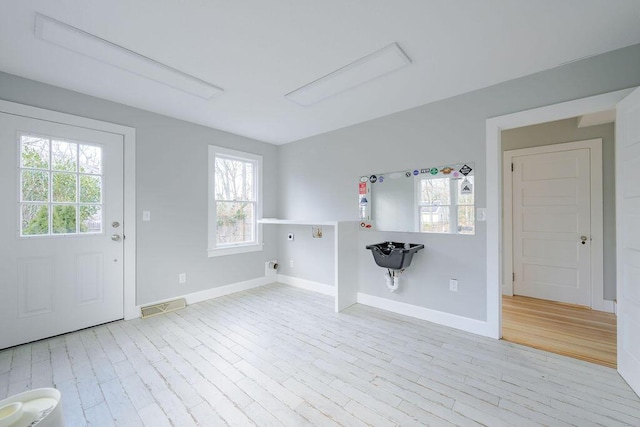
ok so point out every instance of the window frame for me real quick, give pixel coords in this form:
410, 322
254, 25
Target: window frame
419, 204
50, 203
215, 249
454, 204
459, 205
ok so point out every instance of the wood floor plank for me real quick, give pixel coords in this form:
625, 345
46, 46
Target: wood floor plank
278, 355
564, 329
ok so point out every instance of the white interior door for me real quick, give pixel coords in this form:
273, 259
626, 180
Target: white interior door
552, 226
61, 259
628, 237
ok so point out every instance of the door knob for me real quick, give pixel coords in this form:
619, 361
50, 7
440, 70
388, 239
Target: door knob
115, 237
584, 239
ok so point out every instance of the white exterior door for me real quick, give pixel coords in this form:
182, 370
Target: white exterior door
552, 226
628, 238
61, 258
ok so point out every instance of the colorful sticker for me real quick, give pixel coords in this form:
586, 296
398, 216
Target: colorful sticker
373, 178
466, 187
362, 188
424, 170
433, 171
446, 170
364, 179
381, 178
465, 170
407, 174
416, 172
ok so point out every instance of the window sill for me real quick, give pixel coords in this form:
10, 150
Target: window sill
232, 250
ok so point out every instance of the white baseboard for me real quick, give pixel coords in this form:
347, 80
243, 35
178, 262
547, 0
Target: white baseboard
604, 305
307, 284
446, 319
439, 317
211, 293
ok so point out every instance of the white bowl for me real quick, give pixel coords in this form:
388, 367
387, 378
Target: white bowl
10, 413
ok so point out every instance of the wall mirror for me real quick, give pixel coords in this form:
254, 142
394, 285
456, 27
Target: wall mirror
437, 199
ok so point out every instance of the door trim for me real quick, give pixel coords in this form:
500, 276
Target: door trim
494, 127
597, 300
129, 140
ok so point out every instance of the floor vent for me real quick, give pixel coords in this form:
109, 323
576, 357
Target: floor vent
163, 307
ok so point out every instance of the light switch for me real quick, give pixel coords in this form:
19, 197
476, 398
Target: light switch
146, 215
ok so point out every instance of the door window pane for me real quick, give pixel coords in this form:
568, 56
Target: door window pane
65, 179
90, 159
64, 219
90, 189
35, 186
34, 219
64, 187
64, 156
91, 219
34, 152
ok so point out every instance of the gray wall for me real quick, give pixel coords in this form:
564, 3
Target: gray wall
171, 182
566, 131
313, 258
318, 176
316, 179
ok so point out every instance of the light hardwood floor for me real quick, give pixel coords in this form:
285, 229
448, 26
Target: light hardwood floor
277, 355
560, 328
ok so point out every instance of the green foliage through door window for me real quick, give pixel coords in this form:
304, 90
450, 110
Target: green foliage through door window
60, 187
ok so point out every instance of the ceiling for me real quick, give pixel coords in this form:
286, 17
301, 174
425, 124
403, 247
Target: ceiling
258, 51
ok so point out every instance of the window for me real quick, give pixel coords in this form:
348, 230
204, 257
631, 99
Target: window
235, 182
60, 187
466, 219
446, 205
434, 205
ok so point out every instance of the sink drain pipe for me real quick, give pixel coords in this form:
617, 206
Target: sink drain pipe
393, 279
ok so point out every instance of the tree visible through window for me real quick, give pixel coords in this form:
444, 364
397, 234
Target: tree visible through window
60, 187
434, 205
235, 204
235, 201
446, 205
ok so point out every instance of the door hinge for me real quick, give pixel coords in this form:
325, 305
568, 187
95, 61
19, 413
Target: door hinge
513, 277
511, 167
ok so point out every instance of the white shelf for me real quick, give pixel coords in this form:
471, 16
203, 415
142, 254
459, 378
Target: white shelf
295, 222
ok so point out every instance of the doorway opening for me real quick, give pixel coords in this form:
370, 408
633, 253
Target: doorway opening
557, 221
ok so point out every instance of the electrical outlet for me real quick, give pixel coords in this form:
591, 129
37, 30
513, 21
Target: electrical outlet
182, 278
291, 263
453, 285
290, 236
